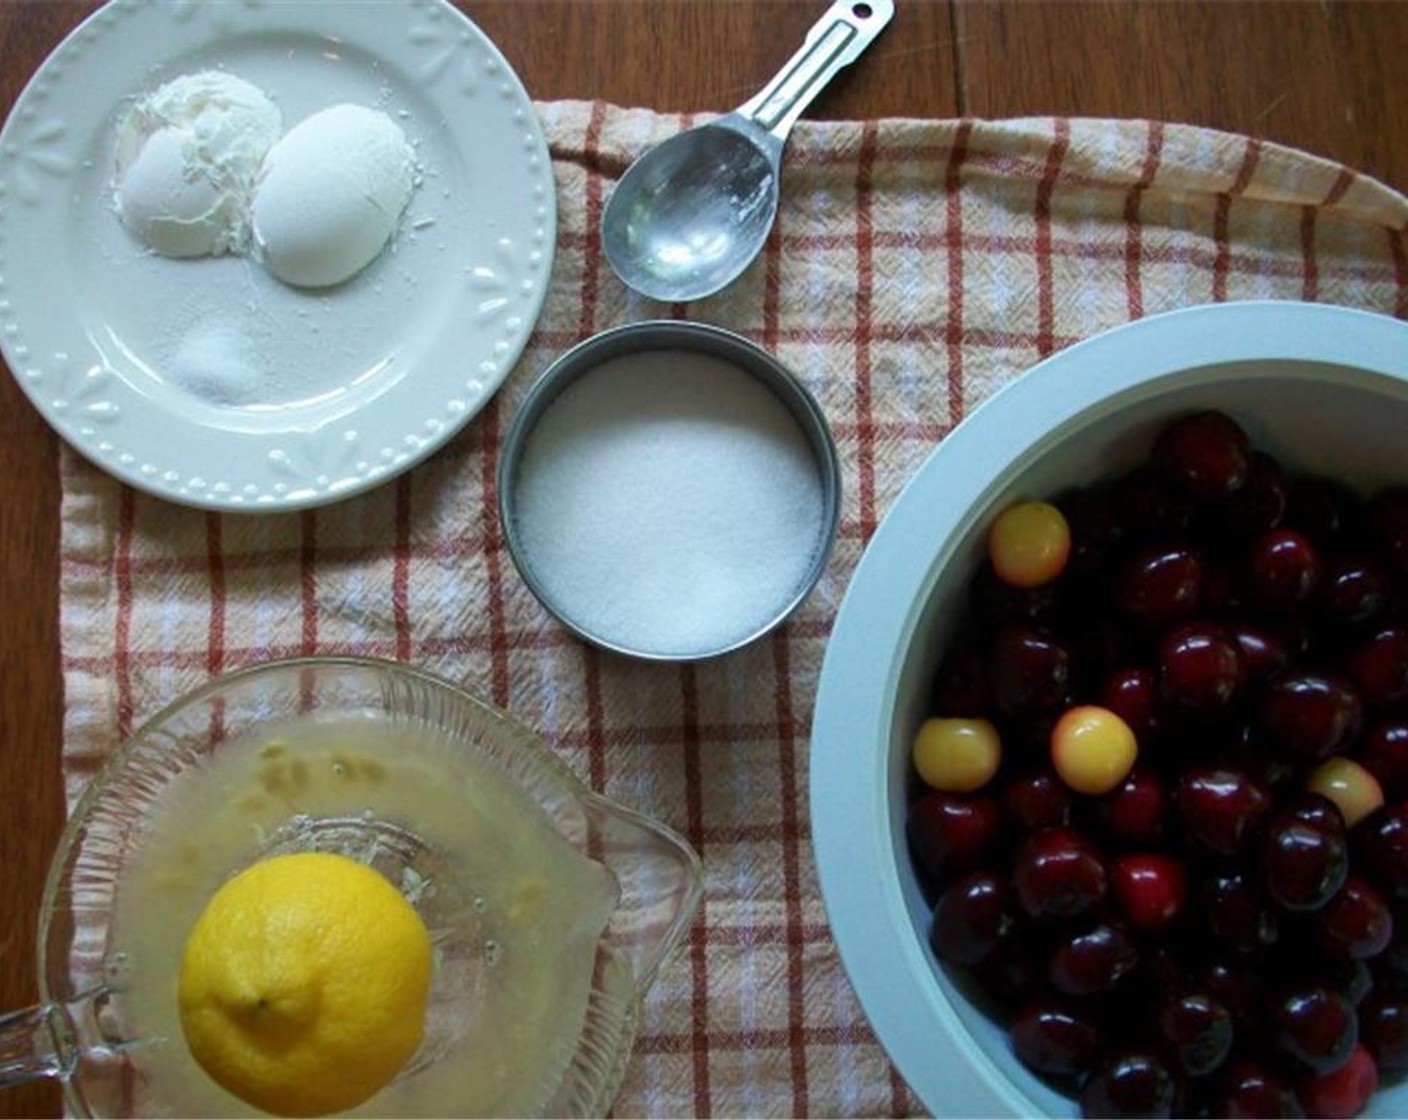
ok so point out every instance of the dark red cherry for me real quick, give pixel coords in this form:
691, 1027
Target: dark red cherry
1092, 961
1055, 1038
1132, 693
1029, 670
1200, 668
1354, 589
1134, 811
1356, 922
1226, 977
1246, 1091
1132, 1081
1198, 1029
1309, 716
950, 833
1150, 889
1037, 800
1383, 1030
1379, 667
1231, 908
1161, 585
1344, 1091
1352, 979
1206, 454
1220, 807
1388, 522
1261, 502
1283, 568
1315, 1026
971, 918
1304, 863
1260, 652
1381, 849
1383, 751
1315, 809
1058, 873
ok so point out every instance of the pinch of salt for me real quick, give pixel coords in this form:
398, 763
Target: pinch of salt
669, 503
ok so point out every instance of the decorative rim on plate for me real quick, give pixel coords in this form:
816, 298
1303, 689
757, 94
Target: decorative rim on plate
288, 458
854, 719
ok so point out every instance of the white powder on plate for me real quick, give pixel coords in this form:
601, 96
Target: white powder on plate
669, 503
219, 362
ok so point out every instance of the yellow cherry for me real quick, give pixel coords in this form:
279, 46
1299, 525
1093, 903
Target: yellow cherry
956, 755
1029, 544
1092, 749
1356, 791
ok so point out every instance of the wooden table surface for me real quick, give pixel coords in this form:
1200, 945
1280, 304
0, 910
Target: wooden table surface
1325, 76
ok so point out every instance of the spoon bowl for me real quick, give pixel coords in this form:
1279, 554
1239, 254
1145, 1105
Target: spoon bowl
691, 214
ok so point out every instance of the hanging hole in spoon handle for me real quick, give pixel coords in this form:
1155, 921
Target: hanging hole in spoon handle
836, 40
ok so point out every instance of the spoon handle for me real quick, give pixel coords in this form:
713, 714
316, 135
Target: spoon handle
835, 40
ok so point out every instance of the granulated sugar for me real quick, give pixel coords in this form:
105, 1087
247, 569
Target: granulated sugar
669, 503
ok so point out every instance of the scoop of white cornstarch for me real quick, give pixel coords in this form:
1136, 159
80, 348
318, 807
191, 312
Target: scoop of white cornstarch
186, 159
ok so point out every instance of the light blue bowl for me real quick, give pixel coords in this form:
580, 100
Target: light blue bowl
1323, 388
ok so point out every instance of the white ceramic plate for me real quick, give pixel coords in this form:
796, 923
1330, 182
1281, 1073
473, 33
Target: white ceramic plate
209, 382
1323, 388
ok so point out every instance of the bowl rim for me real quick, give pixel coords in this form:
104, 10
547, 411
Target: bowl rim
889, 968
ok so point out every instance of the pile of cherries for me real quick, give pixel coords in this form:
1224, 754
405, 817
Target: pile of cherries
1162, 802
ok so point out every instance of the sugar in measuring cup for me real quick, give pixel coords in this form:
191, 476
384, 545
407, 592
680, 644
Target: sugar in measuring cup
669, 491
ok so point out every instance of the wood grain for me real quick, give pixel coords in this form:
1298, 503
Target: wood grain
1324, 76
31, 695
715, 54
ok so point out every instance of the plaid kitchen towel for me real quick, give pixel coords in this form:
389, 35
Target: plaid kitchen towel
915, 267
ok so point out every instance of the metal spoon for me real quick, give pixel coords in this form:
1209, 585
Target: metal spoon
691, 213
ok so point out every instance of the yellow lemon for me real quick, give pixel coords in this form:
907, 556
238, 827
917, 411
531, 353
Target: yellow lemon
303, 984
